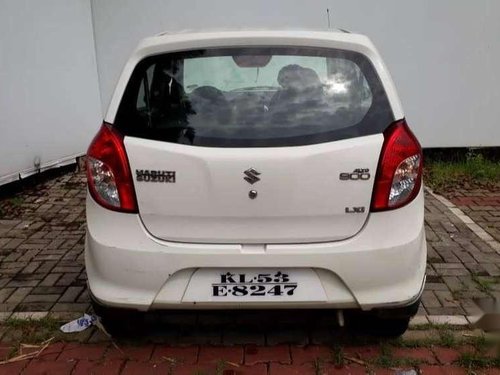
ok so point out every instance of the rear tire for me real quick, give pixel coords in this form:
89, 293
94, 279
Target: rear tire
388, 323
389, 328
119, 322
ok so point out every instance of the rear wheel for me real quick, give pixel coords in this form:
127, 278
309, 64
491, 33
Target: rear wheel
390, 328
390, 322
119, 322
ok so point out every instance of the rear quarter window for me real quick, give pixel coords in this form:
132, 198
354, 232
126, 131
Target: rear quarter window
254, 97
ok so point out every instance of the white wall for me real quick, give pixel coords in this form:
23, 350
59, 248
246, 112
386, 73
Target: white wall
443, 54
49, 94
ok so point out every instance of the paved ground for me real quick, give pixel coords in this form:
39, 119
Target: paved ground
77, 359
42, 268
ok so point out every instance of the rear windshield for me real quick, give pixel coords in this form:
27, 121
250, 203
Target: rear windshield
254, 97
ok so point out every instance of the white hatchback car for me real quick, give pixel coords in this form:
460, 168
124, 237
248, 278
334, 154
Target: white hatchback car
256, 169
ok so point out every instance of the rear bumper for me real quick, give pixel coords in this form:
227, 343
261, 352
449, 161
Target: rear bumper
382, 266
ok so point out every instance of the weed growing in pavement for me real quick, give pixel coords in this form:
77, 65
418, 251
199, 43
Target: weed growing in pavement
318, 366
480, 343
476, 360
443, 335
32, 331
447, 339
485, 283
220, 367
45, 322
15, 201
338, 356
458, 293
386, 359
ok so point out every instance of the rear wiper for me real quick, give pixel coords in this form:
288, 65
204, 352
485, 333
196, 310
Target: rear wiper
256, 88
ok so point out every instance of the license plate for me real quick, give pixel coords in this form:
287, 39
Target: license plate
242, 284
247, 285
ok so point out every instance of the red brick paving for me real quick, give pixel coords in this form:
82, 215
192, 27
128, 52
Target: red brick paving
112, 367
5, 351
310, 353
476, 201
279, 369
191, 370
262, 354
136, 353
105, 359
143, 368
366, 352
74, 351
39, 367
446, 356
186, 355
12, 368
216, 354
482, 206
52, 352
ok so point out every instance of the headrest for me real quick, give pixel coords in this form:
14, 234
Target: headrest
296, 77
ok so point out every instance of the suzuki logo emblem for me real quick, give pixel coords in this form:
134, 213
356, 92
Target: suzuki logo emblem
251, 176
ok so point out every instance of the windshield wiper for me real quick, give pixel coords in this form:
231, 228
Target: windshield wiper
256, 88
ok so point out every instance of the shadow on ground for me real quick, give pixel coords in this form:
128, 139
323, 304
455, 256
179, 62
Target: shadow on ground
230, 327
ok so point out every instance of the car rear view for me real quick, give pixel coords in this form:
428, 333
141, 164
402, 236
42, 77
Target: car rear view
256, 169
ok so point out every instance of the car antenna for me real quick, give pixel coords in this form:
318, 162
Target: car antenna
328, 16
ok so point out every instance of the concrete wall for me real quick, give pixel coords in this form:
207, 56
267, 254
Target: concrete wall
49, 94
443, 54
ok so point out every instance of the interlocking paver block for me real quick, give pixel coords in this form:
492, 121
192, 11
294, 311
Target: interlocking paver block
141, 368
18, 295
182, 355
75, 351
215, 354
135, 353
262, 354
279, 369
310, 354
85, 367
457, 320
71, 294
429, 299
31, 315
49, 367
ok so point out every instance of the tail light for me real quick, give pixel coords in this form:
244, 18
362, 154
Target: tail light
108, 172
399, 174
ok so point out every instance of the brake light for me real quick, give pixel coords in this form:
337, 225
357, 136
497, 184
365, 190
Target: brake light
108, 172
399, 174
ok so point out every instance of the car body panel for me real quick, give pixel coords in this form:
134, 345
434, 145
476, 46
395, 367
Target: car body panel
301, 197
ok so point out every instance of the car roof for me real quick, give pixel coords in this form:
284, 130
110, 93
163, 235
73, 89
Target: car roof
244, 29
203, 37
